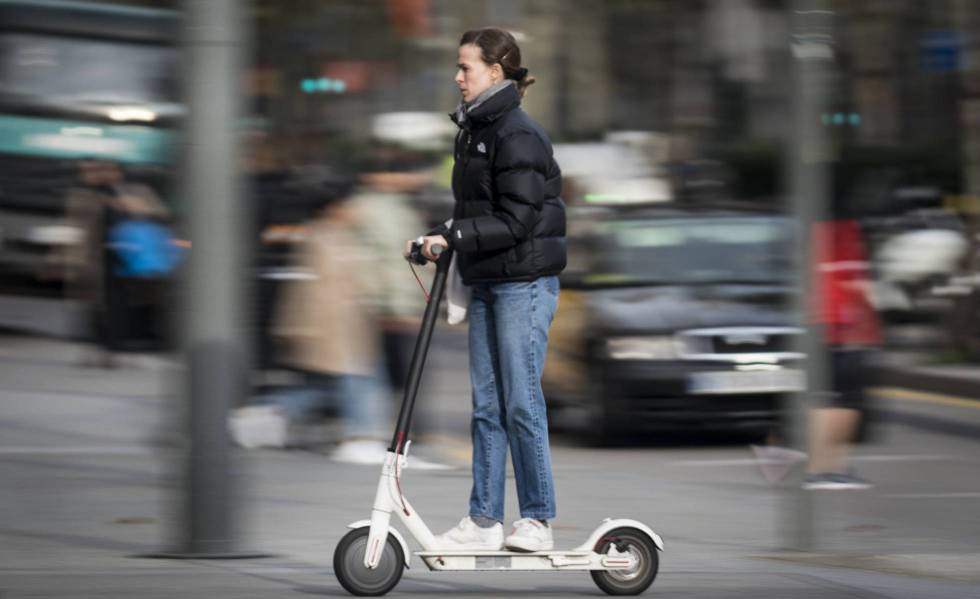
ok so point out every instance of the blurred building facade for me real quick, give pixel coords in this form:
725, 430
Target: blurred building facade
714, 75
710, 78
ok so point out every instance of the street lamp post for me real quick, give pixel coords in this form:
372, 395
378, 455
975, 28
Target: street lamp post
215, 212
809, 154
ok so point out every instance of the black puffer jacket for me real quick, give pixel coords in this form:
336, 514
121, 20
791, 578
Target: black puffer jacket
509, 219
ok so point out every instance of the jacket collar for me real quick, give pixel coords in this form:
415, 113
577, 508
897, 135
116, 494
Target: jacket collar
489, 110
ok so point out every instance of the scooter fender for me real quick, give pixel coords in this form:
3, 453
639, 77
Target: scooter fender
394, 531
612, 523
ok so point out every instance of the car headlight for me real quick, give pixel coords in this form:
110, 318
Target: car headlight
55, 235
641, 348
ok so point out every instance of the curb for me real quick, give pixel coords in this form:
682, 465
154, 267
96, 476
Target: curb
945, 405
915, 378
949, 426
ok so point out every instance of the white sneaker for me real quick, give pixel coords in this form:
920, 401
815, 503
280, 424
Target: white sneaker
360, 451
468, 535
530, 535
252, 427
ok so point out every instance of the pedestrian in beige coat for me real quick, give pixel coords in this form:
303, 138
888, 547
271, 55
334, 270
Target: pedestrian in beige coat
326, 329
325, 320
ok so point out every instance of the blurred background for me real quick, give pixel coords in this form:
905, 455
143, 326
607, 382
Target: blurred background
696, 274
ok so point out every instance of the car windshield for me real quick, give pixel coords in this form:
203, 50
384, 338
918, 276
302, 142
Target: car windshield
80, 70
692, 251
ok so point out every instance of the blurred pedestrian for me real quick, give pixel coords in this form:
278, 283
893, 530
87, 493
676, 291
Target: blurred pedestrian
327, 330
124, 256
849, 324
508, 233
83, 261
851, 333
385, 215
142, 255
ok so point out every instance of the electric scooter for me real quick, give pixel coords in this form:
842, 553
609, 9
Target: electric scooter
621, 554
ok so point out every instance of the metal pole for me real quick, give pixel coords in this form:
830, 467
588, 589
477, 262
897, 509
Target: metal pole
967, 15
213, 334
809, 154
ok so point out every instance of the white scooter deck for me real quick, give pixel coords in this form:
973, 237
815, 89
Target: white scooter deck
510, 560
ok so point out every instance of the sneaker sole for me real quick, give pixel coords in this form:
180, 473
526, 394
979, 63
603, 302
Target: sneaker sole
835, 487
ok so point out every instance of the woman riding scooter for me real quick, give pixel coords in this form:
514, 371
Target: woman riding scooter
508, 233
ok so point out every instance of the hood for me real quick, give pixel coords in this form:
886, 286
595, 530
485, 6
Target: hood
673, 308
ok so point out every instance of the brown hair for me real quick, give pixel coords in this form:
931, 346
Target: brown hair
499, 46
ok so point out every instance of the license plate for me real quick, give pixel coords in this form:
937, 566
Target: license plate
765, 381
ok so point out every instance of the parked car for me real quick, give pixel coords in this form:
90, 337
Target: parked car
673, 318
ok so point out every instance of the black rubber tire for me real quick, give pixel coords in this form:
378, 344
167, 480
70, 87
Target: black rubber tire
348, 565
618, 583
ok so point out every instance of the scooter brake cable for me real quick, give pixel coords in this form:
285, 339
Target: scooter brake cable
398, 472
421, 286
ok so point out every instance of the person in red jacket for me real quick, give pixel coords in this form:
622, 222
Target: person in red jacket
851, 332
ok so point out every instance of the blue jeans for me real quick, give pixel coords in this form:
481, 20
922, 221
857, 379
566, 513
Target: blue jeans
508, 338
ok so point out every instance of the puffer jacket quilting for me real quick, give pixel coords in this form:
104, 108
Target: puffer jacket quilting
509, 219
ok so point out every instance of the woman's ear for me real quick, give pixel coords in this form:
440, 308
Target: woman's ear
497, 72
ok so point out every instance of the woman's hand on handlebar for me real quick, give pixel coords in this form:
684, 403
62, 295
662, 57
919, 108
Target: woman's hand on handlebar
428, 242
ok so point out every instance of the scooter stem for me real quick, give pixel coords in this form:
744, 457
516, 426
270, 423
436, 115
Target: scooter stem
420, 353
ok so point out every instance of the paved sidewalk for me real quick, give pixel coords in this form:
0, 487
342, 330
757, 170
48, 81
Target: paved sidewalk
91, 478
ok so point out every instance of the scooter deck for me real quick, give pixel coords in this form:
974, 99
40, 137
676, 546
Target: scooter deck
499, 553
516, 560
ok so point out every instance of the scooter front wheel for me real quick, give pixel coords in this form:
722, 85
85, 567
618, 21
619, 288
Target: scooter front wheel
348, 565
641, 548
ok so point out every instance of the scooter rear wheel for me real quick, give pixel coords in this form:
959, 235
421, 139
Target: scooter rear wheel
348, 565
635, 580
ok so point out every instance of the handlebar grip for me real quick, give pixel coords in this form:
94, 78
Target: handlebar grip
415, 255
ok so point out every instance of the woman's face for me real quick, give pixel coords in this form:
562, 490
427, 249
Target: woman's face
473, 75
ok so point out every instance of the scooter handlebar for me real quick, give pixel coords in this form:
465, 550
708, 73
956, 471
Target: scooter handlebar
415, 256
